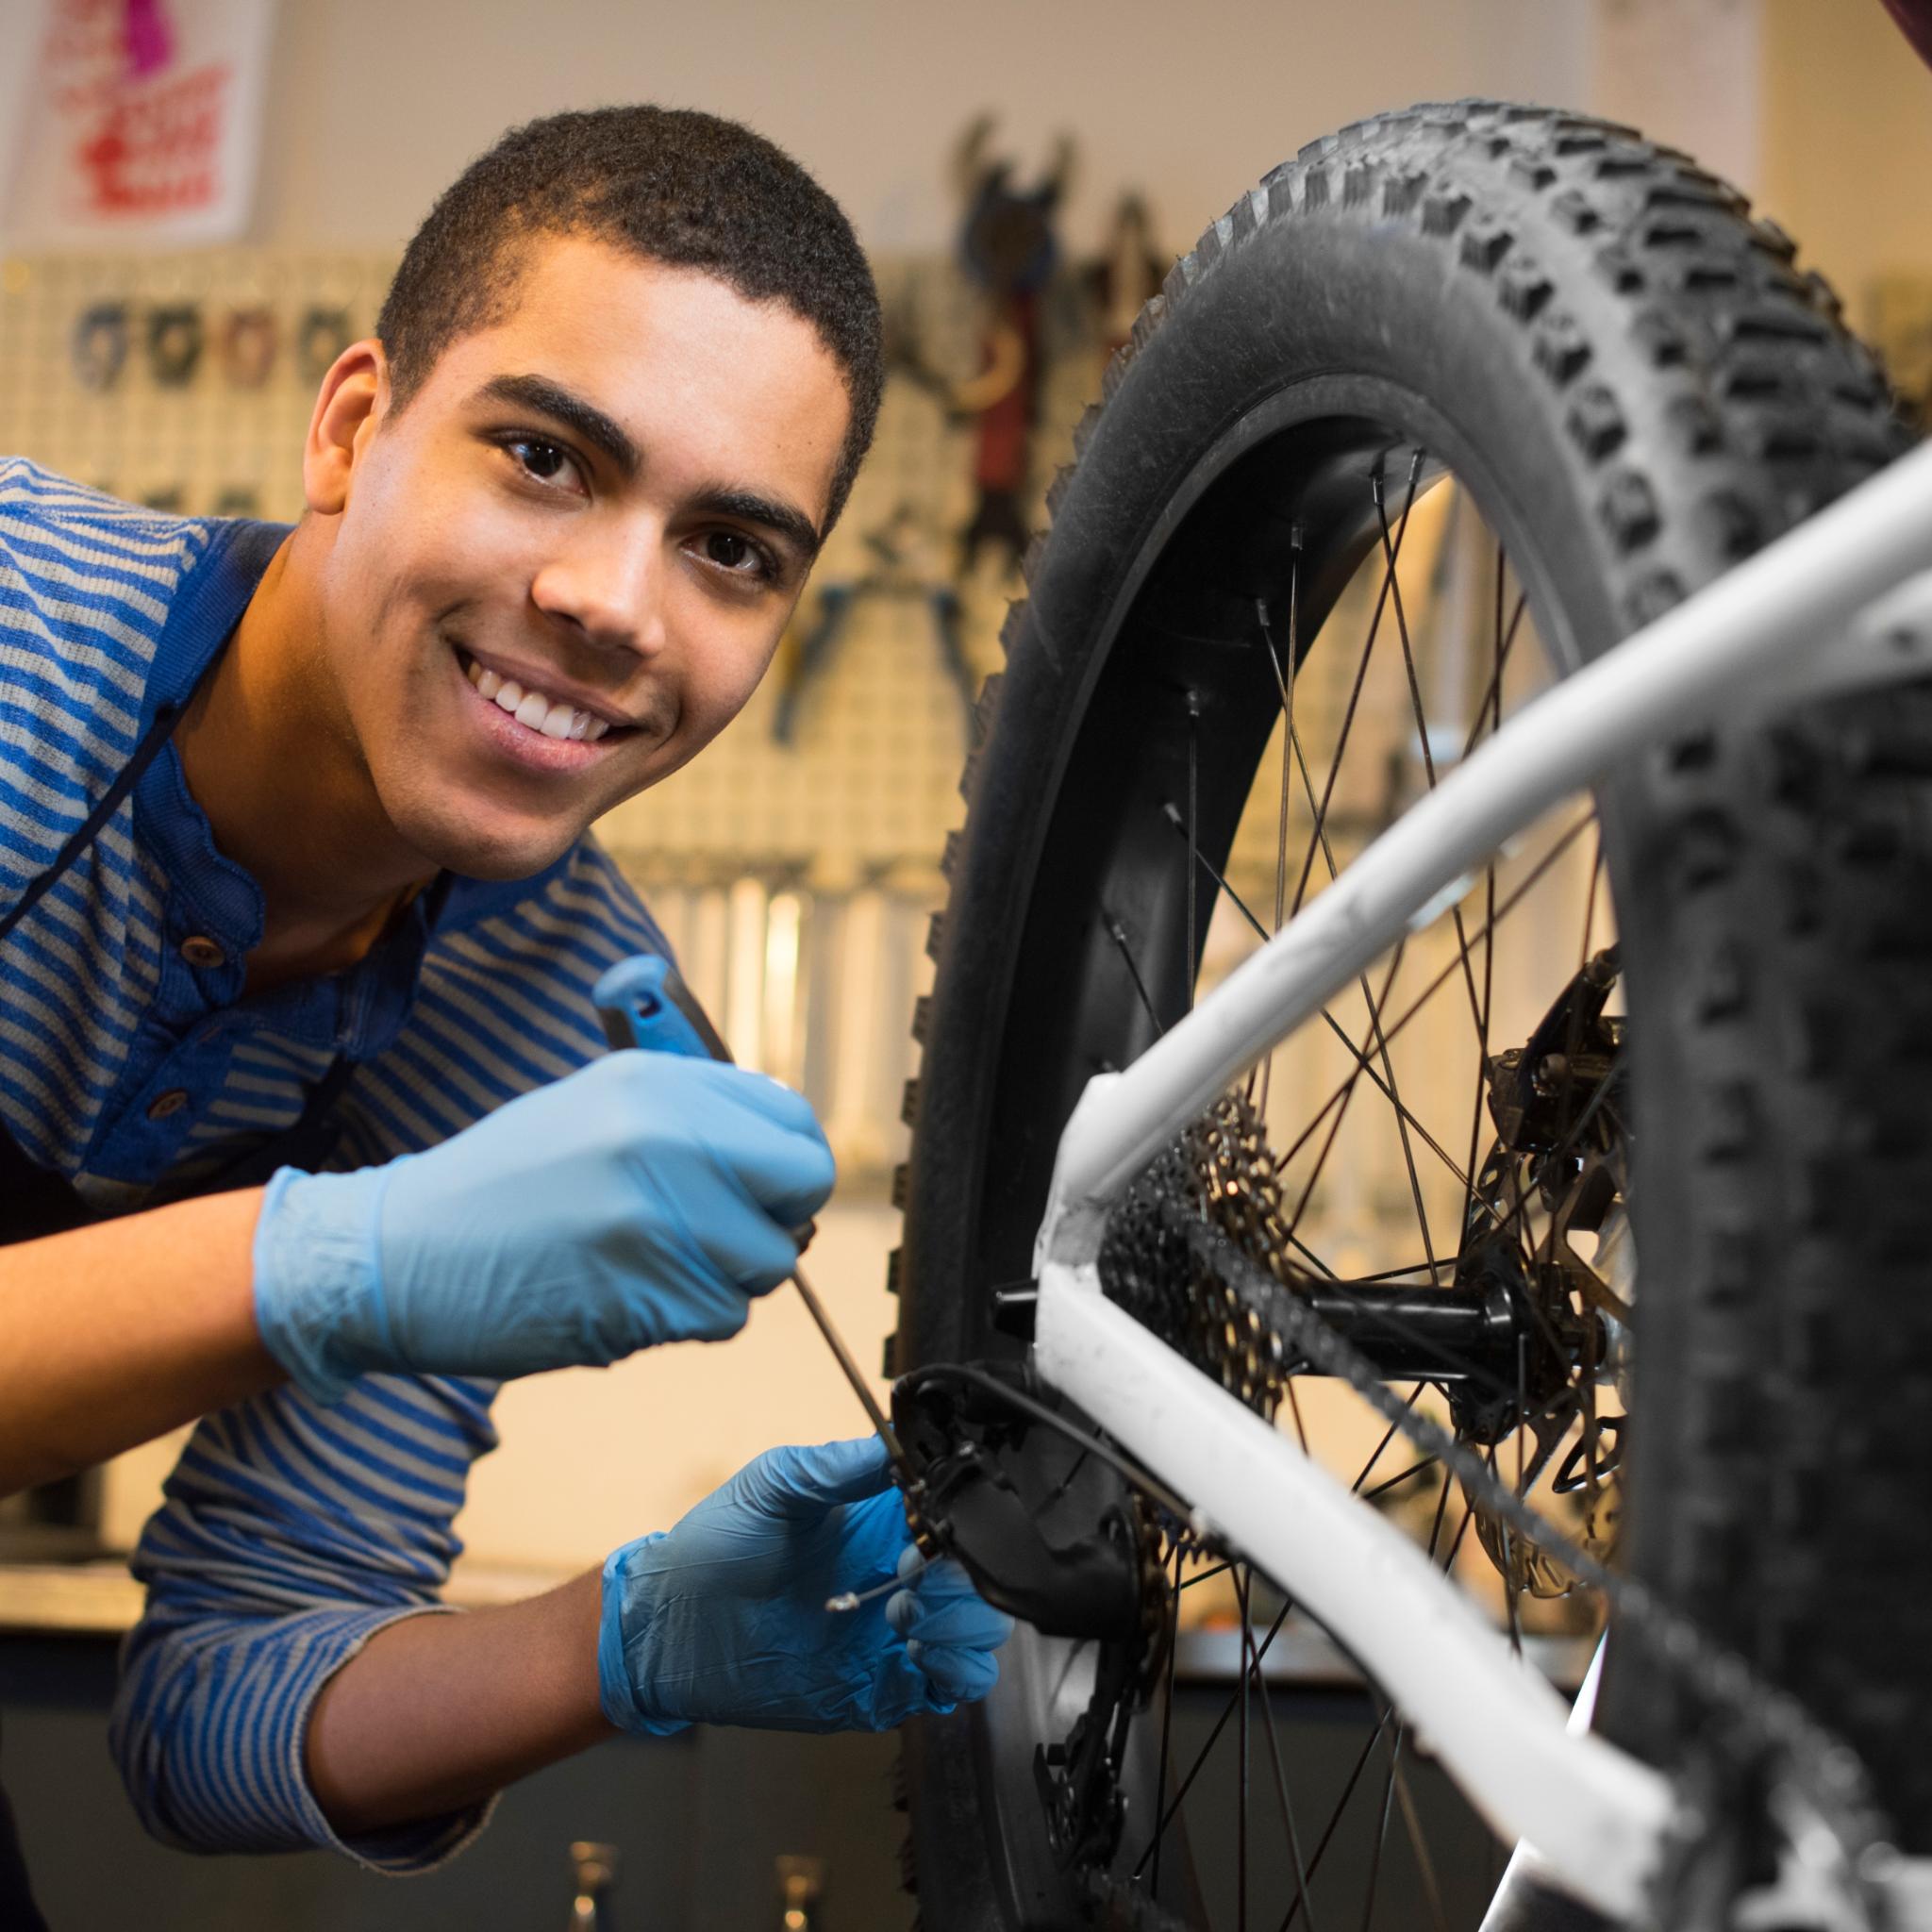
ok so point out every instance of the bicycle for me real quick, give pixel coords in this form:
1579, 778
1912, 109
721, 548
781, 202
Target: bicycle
1124, 1265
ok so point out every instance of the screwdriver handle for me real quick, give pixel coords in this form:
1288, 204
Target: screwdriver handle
643, 1002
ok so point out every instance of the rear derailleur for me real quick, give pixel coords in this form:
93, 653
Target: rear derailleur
1055, 1536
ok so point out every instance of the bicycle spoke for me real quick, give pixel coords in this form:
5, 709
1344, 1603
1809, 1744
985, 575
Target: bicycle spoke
1294, 1408
1310, 1256
1477, 1008
1327, 1146
1172, 1805
1362, 1764
1354, 693
1338, 1097
1388, 1710
1066, 1482
1493, 695
1571, 1040
1193, 823
1167, 1707
1387, 1435
1336, 1027
1418, 1842
1118, 934
1202, 1756
1378, 1036
1510, 1592
1241, 1595
1395, 1482
1596, 869
1482, 1071
1294, 1837
1205, 1576
1284, 684
1436, 1527
1493, 705
1382, 1830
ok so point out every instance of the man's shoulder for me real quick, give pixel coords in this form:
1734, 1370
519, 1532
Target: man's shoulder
87, 579
54, 516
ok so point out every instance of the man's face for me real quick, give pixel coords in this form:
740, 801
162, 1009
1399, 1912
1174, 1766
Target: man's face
602, 509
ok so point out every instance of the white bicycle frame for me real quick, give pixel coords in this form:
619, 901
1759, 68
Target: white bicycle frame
1859, 574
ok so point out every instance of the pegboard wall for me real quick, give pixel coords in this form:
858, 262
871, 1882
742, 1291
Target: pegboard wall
186, 381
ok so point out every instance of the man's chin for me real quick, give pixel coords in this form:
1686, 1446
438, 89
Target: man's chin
495, 854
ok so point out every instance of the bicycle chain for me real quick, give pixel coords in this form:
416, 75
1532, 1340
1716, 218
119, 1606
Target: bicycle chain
1195, 1252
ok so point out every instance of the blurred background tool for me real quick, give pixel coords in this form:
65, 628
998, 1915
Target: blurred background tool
593, 1868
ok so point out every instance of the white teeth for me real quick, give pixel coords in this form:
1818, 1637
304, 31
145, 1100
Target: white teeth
551, 716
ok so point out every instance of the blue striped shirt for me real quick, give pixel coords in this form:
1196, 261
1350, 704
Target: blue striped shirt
290, 1531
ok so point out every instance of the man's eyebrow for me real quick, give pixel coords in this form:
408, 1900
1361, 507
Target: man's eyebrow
565, 405
784, 519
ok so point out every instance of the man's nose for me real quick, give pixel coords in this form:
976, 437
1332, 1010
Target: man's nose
608, 587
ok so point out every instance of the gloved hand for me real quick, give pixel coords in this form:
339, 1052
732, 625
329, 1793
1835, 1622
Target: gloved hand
723, 1619
644, 1198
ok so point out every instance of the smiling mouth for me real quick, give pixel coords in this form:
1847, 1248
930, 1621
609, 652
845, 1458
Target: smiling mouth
537, 710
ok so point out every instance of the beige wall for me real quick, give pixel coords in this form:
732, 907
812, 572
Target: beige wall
1686, 72
1848, 140
375, 104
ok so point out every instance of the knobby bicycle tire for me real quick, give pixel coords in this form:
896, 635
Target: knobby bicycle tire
1641, 389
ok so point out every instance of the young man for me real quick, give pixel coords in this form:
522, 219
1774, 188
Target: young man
297, 881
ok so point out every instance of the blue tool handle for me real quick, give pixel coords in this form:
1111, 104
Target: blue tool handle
644, 1003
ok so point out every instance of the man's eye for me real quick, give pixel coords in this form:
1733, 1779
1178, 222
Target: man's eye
737, 553
543, 461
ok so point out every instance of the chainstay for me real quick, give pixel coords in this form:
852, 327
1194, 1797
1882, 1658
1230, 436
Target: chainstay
1759, 1717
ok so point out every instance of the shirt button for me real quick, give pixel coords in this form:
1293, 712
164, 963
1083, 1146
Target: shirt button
200, 951
162, 1104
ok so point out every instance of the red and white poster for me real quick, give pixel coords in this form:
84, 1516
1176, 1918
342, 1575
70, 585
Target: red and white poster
140, 121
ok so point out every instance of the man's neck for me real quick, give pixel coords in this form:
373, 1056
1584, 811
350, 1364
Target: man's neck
270, 757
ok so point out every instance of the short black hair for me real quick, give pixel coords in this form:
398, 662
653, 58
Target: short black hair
683, 187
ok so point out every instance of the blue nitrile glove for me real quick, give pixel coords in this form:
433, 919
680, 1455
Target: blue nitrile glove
723, 1619
644, 1198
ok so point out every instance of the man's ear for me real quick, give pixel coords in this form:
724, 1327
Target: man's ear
352, 400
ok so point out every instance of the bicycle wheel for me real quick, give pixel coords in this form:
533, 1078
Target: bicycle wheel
1630, 384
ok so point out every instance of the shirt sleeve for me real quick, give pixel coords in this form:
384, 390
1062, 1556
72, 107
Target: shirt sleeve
290, 1534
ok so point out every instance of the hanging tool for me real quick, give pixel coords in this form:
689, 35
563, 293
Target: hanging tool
644, 1003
